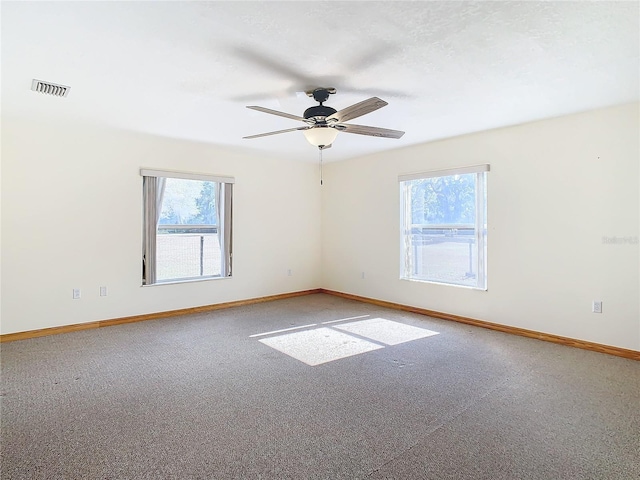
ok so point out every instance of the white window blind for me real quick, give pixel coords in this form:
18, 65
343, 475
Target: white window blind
445, 172
148, 172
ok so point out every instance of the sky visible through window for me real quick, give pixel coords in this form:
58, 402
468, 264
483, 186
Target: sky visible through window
188, 202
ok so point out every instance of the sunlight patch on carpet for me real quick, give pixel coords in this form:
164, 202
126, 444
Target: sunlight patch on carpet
316, 346
320, 345
386, 331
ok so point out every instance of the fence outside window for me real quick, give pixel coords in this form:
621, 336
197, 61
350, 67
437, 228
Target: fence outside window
187, 251
444, 253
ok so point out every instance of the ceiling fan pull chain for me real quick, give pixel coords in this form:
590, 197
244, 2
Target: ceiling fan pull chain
320, 153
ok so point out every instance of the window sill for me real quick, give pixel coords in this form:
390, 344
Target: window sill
186, 280
432, 282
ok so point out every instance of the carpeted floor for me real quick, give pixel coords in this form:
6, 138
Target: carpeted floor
206, 397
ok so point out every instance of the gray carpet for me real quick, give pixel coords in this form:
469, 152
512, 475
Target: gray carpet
196, 397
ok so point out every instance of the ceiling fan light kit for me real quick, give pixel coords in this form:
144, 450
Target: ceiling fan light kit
324, 122
320, 136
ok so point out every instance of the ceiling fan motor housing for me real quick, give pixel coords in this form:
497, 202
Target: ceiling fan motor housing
321, 111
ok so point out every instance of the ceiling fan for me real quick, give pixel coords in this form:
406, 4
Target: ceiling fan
323, 123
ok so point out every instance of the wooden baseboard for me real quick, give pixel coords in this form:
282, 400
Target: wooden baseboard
547, 337
12, 337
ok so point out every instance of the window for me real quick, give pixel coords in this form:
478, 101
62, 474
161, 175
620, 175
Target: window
443, 226
187, 226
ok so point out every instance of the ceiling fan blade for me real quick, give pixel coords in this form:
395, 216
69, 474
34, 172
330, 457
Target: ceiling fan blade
276, 132
271, 64
372, 131
280, 114
357, 110
363, 90
281, 69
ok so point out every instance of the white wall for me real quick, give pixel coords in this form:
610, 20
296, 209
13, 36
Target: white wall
71, 218
72, 213
555, 189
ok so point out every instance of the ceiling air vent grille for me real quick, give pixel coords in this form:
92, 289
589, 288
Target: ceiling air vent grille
50, 88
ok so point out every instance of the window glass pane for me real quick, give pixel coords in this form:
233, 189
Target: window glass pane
444, 200
184, 254
441, 230
446, 258
188, 202
188, 245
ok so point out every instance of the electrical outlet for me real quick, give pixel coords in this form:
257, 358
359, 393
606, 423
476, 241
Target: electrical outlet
362, 276
103, 291
289, 273
76, 293
597, 306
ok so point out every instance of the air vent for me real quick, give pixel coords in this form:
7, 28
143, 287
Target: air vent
50, 88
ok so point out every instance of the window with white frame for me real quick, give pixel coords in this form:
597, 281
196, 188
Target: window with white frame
444, 226
187, 226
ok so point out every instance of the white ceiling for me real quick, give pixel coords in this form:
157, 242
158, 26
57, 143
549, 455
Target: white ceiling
188, 69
